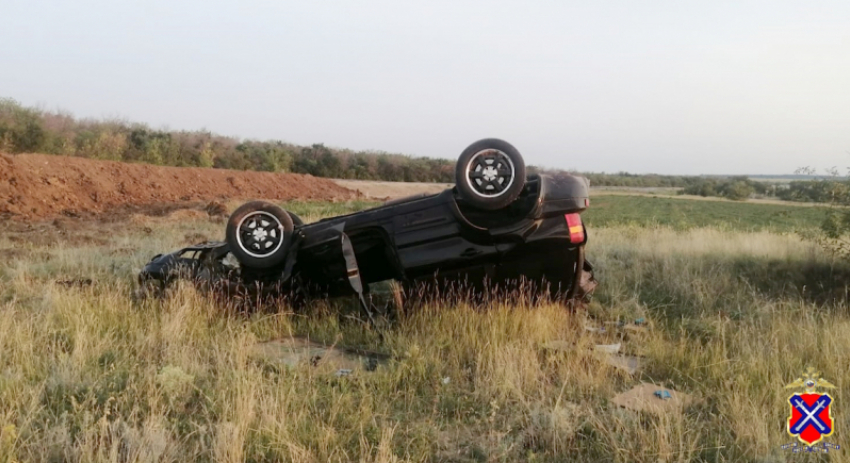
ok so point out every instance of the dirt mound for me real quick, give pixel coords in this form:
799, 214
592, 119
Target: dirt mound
37, 186
392, 190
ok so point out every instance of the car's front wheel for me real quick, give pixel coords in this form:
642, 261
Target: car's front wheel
490, 174
259, 234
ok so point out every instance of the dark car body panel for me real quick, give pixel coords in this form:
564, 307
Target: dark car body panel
429, 238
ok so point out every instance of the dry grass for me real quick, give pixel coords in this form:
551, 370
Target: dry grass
87, 375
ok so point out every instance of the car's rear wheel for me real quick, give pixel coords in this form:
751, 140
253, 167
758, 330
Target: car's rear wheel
259, 234
490, 174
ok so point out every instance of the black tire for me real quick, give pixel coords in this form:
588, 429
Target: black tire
259, 234
490, 174
295, 219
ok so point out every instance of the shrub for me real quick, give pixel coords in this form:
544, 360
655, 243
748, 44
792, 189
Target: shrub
734, 188
20, 128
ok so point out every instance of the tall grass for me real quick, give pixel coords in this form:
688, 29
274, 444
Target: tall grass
86, 374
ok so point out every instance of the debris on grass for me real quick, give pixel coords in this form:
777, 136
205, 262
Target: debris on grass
651, 398
628, 363
639, 325
608, 353
607, 348
296, 351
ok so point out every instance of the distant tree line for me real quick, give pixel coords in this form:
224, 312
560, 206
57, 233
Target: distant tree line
626, 179
30, 130
735, 188
817, 190
825, 190
833, 190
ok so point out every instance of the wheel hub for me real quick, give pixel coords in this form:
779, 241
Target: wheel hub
490, 173
260, 234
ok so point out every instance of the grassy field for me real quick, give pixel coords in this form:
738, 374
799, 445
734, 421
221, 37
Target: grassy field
737, 306
683, 214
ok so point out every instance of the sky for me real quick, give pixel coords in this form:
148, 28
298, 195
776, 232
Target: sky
678, 87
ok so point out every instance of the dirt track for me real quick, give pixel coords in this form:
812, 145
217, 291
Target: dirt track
37, 186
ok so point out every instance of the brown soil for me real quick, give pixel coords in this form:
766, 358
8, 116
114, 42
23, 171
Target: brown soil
37, 186
373, 189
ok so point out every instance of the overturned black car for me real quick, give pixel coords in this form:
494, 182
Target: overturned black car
497, 227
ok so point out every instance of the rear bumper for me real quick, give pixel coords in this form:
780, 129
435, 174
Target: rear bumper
553, 265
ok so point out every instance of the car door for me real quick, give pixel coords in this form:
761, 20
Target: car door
431, 239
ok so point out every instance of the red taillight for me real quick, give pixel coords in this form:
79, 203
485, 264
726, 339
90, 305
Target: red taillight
575, 227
